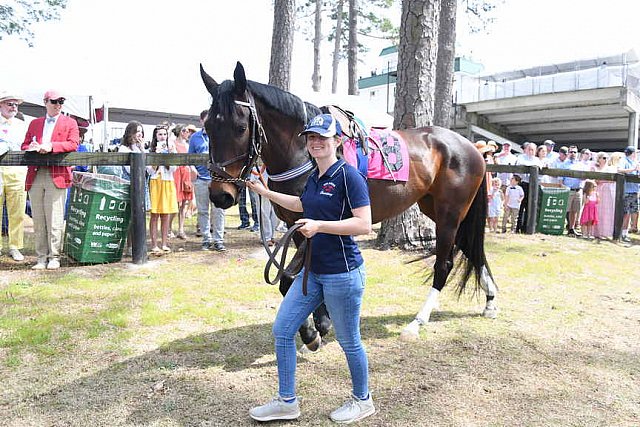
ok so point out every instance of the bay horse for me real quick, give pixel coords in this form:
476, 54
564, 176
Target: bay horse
249, 120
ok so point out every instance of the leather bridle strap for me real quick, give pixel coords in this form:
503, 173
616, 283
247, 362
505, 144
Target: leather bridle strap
283, 244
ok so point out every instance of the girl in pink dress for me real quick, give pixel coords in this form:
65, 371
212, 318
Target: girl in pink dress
589, 217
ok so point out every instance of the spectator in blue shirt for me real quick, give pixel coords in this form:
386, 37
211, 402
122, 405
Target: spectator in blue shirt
199, 143
335, 205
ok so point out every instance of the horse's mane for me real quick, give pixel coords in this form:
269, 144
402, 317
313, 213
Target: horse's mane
284, 102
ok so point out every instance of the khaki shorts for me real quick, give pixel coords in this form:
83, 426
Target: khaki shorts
575, 201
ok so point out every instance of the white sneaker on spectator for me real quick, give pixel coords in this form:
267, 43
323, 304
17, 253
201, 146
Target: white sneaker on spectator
39, 266
277, 409
353, 410
53, 264
16, 255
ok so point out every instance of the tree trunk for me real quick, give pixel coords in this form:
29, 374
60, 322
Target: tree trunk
415, 90
315, 78
445, 63
282, 43
337, 46
417, 56
352, 50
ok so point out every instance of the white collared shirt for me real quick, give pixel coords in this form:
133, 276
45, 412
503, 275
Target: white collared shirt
47, 132
12, 133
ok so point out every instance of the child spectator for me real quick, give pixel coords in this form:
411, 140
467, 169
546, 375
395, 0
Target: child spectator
514, 194
496, 201
164, 201
589, 217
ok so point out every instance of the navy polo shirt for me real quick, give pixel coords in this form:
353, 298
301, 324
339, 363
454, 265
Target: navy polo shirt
331, 197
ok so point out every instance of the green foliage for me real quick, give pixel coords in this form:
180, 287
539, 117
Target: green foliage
17, 16
371, 23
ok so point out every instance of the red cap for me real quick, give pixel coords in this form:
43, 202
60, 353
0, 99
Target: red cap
52, 94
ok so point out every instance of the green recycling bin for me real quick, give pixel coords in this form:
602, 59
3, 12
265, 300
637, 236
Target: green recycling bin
553, 208
98, 218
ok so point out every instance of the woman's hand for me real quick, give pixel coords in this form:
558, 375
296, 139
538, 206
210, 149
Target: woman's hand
257, 187
310, 227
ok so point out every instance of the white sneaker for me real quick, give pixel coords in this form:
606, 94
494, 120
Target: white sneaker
277, 409
39, 266
53, 264
353, 410
16, 255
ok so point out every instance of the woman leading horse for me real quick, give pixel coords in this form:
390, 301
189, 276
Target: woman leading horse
248, 120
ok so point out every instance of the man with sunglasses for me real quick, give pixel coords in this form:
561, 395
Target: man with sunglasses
47, 185
12, 178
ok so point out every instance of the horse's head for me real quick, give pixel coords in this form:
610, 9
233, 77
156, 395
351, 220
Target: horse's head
235, 136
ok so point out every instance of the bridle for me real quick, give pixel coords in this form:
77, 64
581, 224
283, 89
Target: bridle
257, 139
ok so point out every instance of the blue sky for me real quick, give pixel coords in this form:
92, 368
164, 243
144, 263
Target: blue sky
145, 54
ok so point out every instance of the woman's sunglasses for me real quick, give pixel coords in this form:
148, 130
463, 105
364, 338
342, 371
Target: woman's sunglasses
56, 101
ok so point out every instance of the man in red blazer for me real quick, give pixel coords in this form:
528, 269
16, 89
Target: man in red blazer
47, 185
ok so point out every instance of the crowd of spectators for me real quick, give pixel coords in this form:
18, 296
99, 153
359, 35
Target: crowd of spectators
591, 204
170, 191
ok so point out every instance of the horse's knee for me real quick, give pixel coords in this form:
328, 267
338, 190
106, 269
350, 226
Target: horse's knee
322, 320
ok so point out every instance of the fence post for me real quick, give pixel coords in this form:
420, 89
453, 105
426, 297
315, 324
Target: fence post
532, 202
618, 215
138, 211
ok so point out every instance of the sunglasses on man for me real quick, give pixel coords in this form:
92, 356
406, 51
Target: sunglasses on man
57, 101
11, 104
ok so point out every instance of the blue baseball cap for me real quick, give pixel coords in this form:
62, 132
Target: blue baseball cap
324, 125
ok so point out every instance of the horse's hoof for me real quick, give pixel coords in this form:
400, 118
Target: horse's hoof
408, 336
490, 312
411, 332
313, 346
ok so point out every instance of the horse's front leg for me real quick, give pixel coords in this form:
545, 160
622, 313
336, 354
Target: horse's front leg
442, 267
311, 331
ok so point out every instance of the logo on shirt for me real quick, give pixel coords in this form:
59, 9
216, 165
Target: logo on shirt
328, 189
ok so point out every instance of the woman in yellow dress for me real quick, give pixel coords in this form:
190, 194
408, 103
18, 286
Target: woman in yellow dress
164, 201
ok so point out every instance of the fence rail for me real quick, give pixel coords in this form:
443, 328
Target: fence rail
139, 161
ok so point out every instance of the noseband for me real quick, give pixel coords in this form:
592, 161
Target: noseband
257, 139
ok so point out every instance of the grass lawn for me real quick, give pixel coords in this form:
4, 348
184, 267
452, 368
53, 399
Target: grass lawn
185, 340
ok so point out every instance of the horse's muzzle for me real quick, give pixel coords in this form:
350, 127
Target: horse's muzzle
222, 200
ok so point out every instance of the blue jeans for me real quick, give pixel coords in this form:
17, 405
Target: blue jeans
242, 207
342, 294
208, 215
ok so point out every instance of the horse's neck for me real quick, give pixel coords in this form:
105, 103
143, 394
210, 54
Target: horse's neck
284, 150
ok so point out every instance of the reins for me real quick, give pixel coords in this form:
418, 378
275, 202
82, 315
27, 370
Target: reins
283, 245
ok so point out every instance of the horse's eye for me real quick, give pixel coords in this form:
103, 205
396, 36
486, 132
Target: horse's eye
241, 129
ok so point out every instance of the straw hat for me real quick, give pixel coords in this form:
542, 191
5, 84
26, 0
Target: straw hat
7, 96
483, 147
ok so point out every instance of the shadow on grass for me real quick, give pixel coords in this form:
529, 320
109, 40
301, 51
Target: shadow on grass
213, 378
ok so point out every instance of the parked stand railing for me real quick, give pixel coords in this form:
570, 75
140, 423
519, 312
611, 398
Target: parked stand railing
139, 161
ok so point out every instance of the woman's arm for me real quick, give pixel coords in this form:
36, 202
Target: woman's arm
287, 201
360, 223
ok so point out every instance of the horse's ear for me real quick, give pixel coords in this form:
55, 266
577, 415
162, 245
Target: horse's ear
240, 79
209, 83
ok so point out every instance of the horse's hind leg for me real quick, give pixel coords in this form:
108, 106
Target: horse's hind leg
490, 289
445, 235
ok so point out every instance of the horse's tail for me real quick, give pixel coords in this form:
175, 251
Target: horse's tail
470, 240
